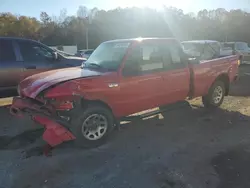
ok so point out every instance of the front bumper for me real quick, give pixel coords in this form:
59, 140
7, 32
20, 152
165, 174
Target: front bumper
56, 131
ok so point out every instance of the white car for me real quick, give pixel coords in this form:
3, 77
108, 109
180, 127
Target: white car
84, 53
205, 49
240, 48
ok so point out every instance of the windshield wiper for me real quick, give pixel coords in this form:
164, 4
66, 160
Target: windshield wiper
91, 65
95, 65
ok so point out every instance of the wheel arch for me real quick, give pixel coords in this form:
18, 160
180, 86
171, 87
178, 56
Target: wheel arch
85, 105
86, 102
225, 79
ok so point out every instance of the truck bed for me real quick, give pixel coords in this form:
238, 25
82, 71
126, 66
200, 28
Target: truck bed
205, 73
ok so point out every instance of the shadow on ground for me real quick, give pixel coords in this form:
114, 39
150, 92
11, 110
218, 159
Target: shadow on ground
176, 151
232, 166
21, 140
242, 87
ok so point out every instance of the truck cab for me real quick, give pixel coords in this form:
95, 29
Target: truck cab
120, 78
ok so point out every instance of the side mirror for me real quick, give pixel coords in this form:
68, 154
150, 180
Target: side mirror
55, 55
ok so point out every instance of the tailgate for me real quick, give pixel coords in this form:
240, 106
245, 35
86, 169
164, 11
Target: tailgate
234, 68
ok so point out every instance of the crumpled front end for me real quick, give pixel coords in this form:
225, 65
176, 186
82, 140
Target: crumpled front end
54, 133
56, 129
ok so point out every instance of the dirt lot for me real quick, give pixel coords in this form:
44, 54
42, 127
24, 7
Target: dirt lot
189, 148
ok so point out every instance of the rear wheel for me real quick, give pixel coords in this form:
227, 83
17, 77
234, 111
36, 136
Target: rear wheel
215, 96
93, 126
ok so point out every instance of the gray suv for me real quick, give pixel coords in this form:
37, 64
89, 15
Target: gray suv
240, 48
20, 58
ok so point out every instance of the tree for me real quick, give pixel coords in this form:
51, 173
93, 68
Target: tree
218, 24
45, 18
19, 26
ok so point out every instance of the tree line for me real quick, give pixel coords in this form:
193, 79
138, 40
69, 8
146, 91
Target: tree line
219, 24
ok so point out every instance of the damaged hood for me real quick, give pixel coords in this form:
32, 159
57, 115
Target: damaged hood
33, 85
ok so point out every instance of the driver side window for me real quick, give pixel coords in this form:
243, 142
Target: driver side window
145, 58
33, 52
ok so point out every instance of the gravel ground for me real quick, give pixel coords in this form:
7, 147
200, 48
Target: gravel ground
186, 148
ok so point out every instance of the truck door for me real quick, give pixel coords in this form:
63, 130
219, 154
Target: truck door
141, 85
36, 58
176, 77
11, 68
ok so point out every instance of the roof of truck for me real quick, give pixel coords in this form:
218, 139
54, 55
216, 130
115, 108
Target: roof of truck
199, 41
234, 42
139, 39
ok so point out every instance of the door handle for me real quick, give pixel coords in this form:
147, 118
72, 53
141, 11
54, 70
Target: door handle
31, 67
113, 85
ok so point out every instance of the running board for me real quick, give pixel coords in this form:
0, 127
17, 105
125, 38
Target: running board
156, 112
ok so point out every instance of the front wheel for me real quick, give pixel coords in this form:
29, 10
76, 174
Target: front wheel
215, 96
93, 126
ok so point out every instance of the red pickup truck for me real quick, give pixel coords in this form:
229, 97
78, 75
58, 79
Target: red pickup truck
120, 78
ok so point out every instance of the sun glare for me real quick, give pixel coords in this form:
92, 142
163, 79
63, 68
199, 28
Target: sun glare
141, 3
158, 4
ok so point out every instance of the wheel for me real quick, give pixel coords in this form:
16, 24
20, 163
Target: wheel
93, 126
215, 95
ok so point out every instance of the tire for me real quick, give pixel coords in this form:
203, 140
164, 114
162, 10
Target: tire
80, 127
213, 99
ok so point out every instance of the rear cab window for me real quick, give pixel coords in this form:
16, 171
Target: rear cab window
241, 46
7, 53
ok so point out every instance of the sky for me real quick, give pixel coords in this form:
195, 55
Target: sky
52, 7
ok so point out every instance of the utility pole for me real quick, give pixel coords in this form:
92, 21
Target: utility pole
87, 37
225, 23
89, 21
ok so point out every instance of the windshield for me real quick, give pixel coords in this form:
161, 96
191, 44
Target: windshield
192, 46
193, 49
107, 56
241, 46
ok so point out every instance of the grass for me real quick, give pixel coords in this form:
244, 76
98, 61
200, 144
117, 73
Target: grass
231, 103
